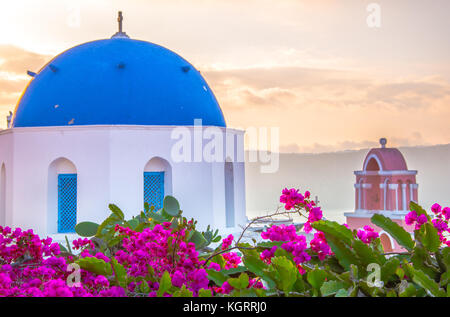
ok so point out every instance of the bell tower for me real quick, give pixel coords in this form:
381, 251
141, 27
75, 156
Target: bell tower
384, 186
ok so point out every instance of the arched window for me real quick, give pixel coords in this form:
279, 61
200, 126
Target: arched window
157, 181
3, 195
62, 196
372, 165
229, 194
386, 242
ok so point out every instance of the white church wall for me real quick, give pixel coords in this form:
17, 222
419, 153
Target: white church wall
34, 151
194, 190
193, 183
218, 195
239, 192
135, 150
6, 167
109, 162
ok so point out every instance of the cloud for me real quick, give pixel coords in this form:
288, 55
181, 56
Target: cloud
16, 60
409, 94
14, 63
414, 139
297, 86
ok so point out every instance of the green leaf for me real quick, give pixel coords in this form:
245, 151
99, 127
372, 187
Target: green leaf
171, 206
164, 285
365, 254
132, 223
217, 277
406, 290
198, 239
86, 229
120, 273
144, 287
391, 293
254, 264
299, 285
421, 260
418, 209
343, 253
342, 293
445, 252
353, 291
219, 259
316, 278
354, 274
389, 269
159, 216
68, 245
241, 282
333, 228
431, 287
269, 245
116, 210
285, 271
398, 233
94, 265
204, 293
235, 270
183, 292
431, 239
107, 224
63, 248
445, 278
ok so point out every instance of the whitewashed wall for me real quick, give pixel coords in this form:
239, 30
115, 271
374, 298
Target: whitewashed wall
109, 162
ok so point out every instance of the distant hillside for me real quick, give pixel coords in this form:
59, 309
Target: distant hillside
330, 176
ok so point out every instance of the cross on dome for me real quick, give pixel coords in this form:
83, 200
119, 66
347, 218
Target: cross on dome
120, 33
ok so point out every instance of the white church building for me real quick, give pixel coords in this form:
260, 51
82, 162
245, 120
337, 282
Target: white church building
103, 122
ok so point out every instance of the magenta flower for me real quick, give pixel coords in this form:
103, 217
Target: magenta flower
411, 218
436, 208
291, 197
226, 243
367, 235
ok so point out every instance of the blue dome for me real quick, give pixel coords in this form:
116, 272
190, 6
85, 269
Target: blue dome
117, 81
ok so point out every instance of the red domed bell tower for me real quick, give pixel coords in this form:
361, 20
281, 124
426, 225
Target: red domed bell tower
384, 186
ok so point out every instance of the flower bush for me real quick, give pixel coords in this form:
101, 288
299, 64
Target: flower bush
160, 253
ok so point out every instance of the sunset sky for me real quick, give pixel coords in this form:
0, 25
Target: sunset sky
314, 68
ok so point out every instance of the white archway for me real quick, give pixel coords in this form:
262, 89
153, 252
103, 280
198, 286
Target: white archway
57, 170
157, 181
370, 159
387, 241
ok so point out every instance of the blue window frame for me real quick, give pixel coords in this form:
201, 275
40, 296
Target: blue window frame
67, 202
154, 189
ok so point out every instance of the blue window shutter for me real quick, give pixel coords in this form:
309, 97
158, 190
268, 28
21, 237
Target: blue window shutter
67, 202
154, 189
